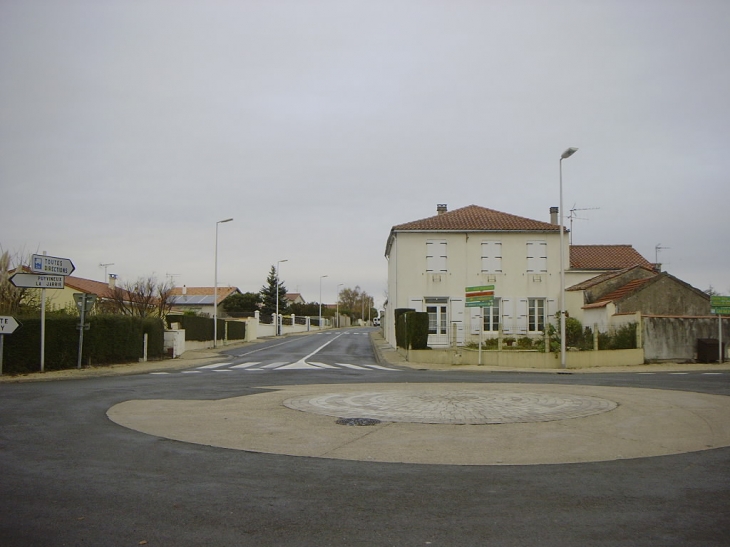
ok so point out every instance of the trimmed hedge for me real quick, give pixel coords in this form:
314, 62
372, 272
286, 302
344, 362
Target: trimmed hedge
200, 329
418, 329
400, 330
110, 339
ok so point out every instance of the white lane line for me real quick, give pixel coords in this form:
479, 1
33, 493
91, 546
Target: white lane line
222, 370
679, 373
215, 365
712, 374
192, 371
299, 365
646, 373
320, 365
379, 367
265, 348
274, 365
357, 367
159, 373
246, 365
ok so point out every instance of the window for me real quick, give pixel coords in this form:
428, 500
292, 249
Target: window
491, 256
491, 317
436, 255
535, 314
537, 256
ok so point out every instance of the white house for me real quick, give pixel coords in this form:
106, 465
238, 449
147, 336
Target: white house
432, 261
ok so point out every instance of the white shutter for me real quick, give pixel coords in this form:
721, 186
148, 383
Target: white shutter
536, 256
552, 310
507, 317
457, 319
475, 317
521, 317
436, 255
491, 256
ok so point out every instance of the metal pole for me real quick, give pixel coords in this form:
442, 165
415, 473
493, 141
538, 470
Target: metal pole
719, 338
43, 327
320, 300
2, 340
215, 290
215, 286
481, 328
81, 329
569, 152
276, 322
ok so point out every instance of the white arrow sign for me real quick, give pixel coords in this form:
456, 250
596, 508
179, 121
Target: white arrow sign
51, 265
7, 324
35, 281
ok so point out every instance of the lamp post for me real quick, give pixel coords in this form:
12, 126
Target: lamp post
215, 286
565, 155
320, 300
276, 320
338, 304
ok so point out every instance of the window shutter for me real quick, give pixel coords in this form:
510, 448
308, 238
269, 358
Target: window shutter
475, 319
521, 319
507, 318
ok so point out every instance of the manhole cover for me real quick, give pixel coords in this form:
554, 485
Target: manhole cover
452, 406
357, 421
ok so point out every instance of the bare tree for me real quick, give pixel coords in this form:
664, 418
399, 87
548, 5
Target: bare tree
14, 300
145, 297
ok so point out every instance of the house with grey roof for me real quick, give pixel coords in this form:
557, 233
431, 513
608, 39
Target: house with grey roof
201, 300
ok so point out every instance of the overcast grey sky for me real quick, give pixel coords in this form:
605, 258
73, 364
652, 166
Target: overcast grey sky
128, 128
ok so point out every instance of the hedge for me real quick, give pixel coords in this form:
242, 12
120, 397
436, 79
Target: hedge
400, 331
110, 339
200, 329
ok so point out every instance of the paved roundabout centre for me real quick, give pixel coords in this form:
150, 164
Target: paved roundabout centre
444, 423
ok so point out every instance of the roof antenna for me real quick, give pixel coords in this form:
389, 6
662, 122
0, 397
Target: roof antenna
656, 255
572, 216
106, 266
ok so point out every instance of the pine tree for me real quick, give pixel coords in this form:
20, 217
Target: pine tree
269, 292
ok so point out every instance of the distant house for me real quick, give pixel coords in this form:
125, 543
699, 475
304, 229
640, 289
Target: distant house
200, 300
295, 298
636, 289
432, 261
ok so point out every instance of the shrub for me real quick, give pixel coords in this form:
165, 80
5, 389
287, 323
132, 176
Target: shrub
400, 326
417, 328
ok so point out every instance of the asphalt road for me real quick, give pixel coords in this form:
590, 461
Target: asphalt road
69, 476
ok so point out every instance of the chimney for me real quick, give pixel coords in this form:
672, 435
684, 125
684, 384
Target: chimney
112, 281
554, 215
441, 208
184, 290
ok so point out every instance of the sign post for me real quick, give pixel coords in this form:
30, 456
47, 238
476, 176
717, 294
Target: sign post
7, 326
720, 305
49, 272
481, 296
84, 302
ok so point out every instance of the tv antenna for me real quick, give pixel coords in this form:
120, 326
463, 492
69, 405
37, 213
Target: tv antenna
105, 266
656, 253
573, 216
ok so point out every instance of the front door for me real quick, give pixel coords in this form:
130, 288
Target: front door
438, 322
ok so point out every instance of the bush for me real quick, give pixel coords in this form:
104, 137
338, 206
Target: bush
417, 325
400, 329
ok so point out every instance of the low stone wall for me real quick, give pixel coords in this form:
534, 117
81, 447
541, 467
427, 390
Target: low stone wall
675, 338
527, 358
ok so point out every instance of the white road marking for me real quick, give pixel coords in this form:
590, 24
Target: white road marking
274, 365
351, 366
246, 365
192, 371
216, 365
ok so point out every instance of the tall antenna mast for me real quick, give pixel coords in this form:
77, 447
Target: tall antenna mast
105, 266
572, 216
656, 253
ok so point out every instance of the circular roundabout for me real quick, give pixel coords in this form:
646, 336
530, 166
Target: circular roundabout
444, 423
451, 406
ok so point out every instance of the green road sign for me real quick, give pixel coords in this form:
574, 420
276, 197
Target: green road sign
481, 296
720, 305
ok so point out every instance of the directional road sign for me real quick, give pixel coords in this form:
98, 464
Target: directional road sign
480, 297
37, 281
720, 305
7, 324
51, 265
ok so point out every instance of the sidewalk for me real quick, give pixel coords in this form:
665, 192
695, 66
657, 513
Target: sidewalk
386, 353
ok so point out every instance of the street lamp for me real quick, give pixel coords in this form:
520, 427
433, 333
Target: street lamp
320, 300
276, 321
565, 155
215, 286
338, 304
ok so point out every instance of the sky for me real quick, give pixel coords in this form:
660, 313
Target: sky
128, 129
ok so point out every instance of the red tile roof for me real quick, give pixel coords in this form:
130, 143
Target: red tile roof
627, 289
88, 286
605, 257
223, 292
476, 218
